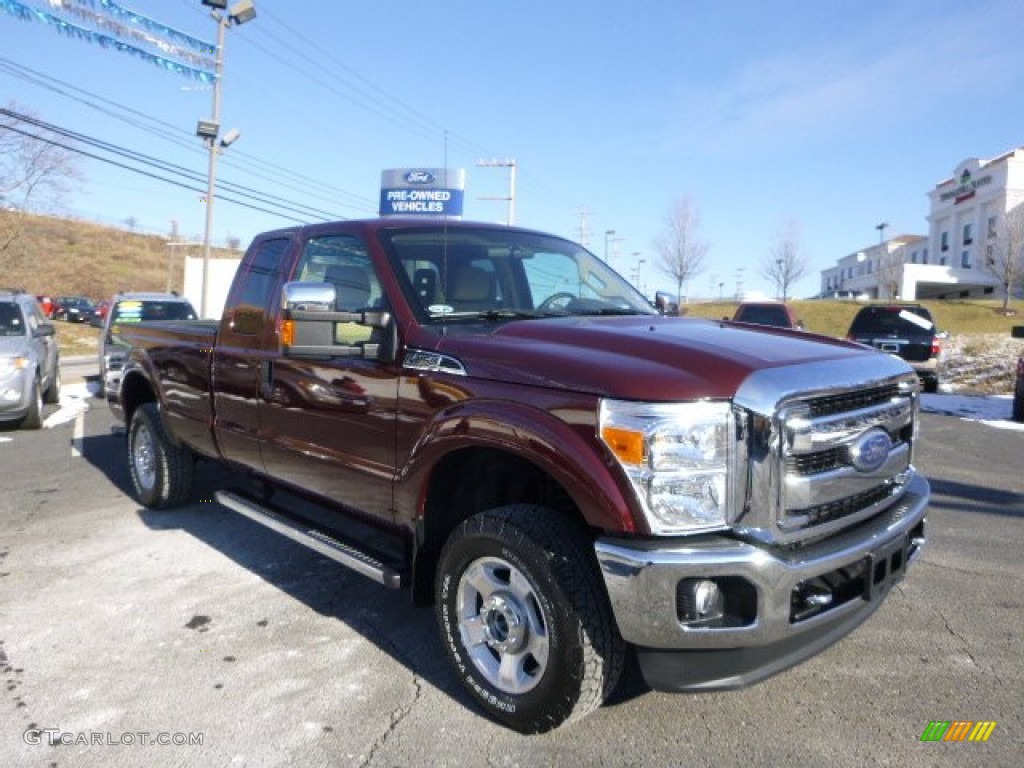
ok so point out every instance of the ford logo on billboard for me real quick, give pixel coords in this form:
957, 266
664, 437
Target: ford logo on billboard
419, 177
870, 450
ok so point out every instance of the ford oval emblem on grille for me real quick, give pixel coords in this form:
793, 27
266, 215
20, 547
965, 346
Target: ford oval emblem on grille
420, 177
870, 450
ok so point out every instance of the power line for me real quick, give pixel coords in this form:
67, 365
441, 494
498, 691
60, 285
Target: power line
185, 139
133, 169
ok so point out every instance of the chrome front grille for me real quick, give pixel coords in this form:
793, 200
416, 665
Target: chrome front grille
817, 461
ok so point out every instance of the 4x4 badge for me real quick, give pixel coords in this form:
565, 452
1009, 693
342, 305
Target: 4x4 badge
870, 450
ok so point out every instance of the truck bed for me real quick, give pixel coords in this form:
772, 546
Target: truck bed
178, 355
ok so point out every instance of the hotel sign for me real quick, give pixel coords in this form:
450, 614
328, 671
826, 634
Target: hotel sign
966, 186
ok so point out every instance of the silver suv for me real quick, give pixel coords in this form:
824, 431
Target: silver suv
29, 360
133, 308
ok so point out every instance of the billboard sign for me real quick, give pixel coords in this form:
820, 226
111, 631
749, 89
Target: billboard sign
422, 192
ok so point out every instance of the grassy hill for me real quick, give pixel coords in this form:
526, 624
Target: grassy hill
63, 257
832, 318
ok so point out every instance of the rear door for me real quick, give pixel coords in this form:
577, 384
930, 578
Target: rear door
246, 344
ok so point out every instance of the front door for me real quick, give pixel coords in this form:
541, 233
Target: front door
328, 424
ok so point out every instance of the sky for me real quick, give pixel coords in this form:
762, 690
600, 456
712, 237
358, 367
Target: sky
834, 114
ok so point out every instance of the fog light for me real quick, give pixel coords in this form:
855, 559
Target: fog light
699, 600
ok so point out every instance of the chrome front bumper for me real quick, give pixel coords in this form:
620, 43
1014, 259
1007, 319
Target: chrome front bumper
642, 579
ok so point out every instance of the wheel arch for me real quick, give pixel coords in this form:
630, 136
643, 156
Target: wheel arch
474, 473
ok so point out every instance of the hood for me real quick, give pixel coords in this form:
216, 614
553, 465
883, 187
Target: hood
15, 346
641, 358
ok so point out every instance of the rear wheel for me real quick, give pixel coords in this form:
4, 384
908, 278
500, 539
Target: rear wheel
161, 469
525, 618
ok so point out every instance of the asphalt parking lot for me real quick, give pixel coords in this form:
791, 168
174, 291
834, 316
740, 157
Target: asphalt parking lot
195, 637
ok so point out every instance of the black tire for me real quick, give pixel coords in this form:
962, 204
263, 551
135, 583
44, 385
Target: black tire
52, 394
931, 385
161, 469
33, 419
1018, 400
525, 619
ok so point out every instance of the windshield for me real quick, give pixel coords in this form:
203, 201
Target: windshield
11, 322
135, 310
898, 320
463, 274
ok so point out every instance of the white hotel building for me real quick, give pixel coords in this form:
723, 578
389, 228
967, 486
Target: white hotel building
948, 263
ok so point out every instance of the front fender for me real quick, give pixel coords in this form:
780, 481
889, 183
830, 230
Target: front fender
564, 446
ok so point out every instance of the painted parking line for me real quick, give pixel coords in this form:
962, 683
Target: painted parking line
74, 402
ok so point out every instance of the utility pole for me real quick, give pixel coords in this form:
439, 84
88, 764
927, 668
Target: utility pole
511, 198
584, 228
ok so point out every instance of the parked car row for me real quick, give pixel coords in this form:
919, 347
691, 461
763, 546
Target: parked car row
73, 309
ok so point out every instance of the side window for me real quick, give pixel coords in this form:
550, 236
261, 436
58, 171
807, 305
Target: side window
344, 261
254, 293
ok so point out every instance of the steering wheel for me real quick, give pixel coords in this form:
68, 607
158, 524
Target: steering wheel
558, 300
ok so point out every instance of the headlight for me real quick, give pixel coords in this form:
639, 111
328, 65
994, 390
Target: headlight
676, 456
11, 364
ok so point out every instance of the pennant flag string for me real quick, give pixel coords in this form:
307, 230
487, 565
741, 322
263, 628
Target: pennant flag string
155, 26
28, 13
120, 30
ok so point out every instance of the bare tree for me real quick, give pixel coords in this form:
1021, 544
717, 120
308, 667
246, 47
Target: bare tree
1004, 256
681, 253
785, 263
36, 172
890, 272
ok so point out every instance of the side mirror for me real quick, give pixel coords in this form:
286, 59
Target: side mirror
309, 320
664, 304
44, 330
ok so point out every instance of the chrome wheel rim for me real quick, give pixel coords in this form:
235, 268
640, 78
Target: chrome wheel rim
144, 458
502, 625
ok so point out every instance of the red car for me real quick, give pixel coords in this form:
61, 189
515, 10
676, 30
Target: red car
99, 314
771, 313
46, 305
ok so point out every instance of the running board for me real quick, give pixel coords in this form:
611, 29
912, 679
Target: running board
304, 533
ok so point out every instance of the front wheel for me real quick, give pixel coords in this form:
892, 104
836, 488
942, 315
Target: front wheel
161, 469
52, 394
1018, 400
525, 619
33, 418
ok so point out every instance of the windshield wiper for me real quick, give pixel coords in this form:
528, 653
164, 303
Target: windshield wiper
490, 314
609, 311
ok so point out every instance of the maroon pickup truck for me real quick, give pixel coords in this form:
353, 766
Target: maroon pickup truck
497, 420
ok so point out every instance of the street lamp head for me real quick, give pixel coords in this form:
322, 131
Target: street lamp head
230, 137
242, 11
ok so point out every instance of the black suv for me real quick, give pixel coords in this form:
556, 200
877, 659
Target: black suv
904, 330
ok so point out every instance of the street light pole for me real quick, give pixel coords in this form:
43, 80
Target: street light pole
211, 175
607, 234
208, 130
